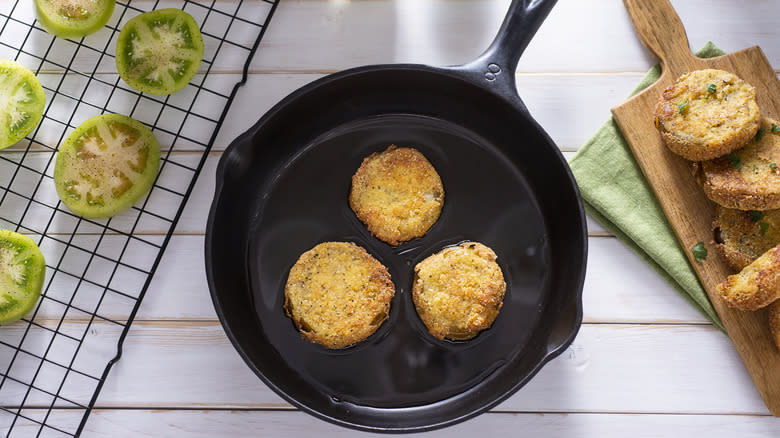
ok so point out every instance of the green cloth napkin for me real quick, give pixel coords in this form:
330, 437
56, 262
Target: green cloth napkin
616, 194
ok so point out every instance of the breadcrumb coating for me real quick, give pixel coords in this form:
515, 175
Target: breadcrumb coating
337, 294
397, 194
707, 114
459, 291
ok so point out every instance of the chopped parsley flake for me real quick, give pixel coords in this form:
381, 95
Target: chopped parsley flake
773, 166
763, 227
756, 216
699, 252
711, 88
759, 134
775, 129
683, 107
735, 161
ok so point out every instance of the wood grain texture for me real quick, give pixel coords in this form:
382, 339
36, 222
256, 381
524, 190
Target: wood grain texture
687, 208
573, 72
163, 423
616, 368
578, 36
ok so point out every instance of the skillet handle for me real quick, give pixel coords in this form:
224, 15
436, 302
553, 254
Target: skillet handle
496, 66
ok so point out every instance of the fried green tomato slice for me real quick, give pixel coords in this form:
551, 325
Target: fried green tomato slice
707, 114
459, 291
397, 194
73, 18
159, 52
22, 271
106, 165
21, 102
338, 294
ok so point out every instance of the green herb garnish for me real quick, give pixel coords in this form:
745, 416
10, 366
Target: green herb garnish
711, 88
775, 129
759, 134
699, 252
773, 166
735, 161
763, 227
683, 106
756, 216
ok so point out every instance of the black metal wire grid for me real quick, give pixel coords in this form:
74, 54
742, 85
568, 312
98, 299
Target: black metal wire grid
57, 358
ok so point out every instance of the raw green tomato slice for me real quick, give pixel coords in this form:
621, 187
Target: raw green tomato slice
21, 102
73, 18
106, 165
22, 271
159, 52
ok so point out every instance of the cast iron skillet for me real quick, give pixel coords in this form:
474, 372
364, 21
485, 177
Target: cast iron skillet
282, 188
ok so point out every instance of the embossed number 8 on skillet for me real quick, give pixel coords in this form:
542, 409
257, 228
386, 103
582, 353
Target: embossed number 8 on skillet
282, 187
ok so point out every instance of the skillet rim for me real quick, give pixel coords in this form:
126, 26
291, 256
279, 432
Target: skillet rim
457, 73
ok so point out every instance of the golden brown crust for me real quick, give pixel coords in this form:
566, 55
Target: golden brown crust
397, 194
749, 178
756, 286
742, 236
774, 321
337, 294
458, 291
733, 258
707, 114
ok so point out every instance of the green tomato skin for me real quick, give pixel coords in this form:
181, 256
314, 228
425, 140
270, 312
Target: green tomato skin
63, 29
35, 268
131, 71
128, 199
24, 75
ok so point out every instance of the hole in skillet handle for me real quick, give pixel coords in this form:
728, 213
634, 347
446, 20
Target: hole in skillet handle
496, 66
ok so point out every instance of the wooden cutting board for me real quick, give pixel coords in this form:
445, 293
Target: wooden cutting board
686, 207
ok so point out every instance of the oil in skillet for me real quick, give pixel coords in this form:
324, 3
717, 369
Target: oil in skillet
401, 364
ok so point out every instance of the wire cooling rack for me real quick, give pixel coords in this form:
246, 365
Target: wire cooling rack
54, 362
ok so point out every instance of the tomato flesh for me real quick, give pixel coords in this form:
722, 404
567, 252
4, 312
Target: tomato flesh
22, 272
21, 102
159, 52
73, 18
106, 165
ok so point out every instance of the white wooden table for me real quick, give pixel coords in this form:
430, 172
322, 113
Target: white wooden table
644, 363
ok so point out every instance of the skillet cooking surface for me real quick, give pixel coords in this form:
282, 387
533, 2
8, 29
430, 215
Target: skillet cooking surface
283, 187
305, 202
